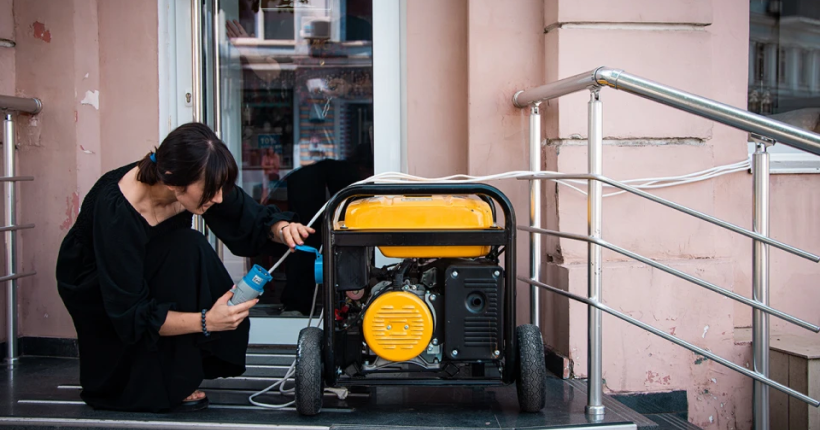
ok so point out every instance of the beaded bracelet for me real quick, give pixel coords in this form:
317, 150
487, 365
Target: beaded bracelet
204, 328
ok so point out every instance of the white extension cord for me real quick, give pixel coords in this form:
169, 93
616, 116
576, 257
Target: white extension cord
400, 178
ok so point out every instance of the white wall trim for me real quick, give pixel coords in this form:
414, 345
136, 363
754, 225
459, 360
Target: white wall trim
174, 64
785, 160
787, 163
389, 95
403, 72
388, 100
166, 23
277, 331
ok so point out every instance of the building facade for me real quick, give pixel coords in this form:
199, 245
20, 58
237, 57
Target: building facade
426, 86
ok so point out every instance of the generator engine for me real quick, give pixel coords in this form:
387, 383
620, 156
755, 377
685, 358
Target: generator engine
425, 313
438, 308
441, 312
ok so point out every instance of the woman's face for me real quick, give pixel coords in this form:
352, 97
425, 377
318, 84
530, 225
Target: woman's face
191, 196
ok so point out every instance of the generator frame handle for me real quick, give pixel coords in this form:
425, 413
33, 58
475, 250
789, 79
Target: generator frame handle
492, 236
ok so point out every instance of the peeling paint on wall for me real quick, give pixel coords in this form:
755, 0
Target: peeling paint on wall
72, 209
32, 132
92, 98
40, 32
655, 378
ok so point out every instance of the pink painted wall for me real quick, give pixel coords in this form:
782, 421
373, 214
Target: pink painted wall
46, 69
649, 140
437, 105
94, 66
696, 45
506, 46
129, 84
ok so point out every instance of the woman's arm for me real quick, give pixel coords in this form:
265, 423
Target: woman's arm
177, 323
248, 228
221, 317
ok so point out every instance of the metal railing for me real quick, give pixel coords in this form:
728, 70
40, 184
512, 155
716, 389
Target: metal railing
9, 105
764, 131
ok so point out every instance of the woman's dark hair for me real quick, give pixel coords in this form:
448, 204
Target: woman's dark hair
189, 153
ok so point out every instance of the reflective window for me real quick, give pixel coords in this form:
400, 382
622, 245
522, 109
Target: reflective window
297, 109
784, 60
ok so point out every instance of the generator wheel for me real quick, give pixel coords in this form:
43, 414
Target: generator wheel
532, 370
309, 371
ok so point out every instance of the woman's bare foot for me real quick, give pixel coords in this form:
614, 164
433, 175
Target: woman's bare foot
196, 395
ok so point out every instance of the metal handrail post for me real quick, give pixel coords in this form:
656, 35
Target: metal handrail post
535, 214
595, 405
9, 145
760, 258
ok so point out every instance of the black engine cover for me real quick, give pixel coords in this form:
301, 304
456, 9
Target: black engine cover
473, 311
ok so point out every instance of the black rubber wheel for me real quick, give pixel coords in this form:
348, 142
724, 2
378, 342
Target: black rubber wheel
532, 370
309, 387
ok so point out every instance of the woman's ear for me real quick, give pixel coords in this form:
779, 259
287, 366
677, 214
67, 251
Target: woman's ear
175, 189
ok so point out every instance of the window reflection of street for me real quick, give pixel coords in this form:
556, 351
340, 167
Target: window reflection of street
784, 61
299, 88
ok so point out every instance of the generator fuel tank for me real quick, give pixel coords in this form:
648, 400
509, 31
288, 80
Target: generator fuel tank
436, 212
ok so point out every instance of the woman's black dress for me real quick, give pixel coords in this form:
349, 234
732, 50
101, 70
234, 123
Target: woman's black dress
118, 277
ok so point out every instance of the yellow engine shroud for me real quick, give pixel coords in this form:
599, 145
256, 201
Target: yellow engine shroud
437, 212
398, 326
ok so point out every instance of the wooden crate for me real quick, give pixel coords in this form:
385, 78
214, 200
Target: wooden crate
794, 362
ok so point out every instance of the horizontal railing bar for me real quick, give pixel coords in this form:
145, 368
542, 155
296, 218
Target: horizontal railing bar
20, 104
754, 375
16, 178
16, 227
673, 205
556, 89
16, 276
678, 99
722, 291
710, 109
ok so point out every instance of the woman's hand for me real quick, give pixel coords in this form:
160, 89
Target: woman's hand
222, 317
291, 233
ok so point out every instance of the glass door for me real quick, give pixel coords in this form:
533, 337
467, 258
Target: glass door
293, 81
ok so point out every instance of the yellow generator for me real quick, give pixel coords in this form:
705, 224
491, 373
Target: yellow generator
442, 314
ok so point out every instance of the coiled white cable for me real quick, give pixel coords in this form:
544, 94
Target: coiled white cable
399, 178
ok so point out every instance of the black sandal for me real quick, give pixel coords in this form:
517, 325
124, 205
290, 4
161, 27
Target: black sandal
192, 405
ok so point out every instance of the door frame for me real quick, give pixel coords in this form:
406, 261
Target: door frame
389, 94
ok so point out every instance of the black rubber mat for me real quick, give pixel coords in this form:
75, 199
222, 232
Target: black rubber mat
43, 393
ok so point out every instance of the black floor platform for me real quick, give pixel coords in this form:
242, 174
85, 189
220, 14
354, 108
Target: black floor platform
43, 393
